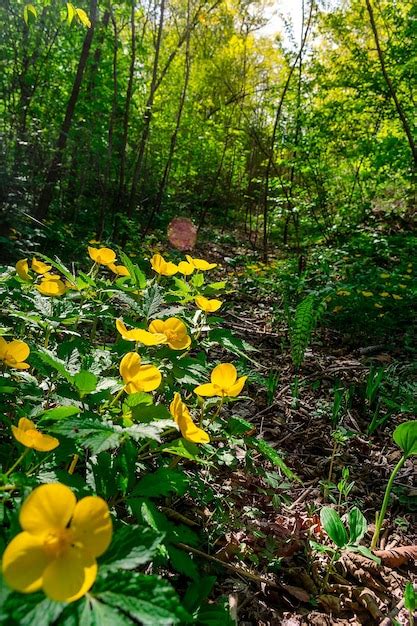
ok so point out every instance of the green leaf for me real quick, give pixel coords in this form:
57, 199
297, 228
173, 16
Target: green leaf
213, 615
29, 8
410, 597
364, 552
139, 398
333, 526
152, 300
197, 280
238, 346
83, 17
86, 382
135, 272
272, 455
70, 12
59, 413
48, 357
357, 525
94, 434
147, 599
91, 612
182, 562
238, 426
183, 448
131, 546
405, 436
161, 483
197, 592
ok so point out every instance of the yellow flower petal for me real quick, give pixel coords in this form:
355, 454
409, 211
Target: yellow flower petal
92, 525
160, 266
189, 430
22, 269
28, 435
174, 330
47, 507
102, 256
130, 366
18, 350
24, 562
70, 576
200, 264
138, 334
148, 379
120, 270
185, 268
209, 306
208, 390
51, 287
236, 389
224, 375
40, 267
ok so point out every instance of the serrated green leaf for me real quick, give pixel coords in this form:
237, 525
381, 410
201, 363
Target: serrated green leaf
161, 483
147, 599
131, 546
333, 525
272, 455
93, 434
48, 357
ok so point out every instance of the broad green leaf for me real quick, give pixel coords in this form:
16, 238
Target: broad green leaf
161, 483
364, 551
90, 433
357, 525
147, 599
405, 436
197, 592
83, 17
197, 280
410, 597
91, 612
183, 448
272, 455
29, 8
135, 272
49, 358
60, 412
333, 525
238, 426
183, 562
131, 546
86, 382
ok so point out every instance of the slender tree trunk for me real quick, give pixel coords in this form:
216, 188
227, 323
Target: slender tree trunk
401, 113
55, 166
274, 134
173, 143
148, 113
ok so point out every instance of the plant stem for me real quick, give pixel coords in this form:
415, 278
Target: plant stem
335, 555
117, 396
381, 515
19, 460
329, 478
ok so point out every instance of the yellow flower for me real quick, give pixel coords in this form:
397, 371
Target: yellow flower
51, 287
138, 334
22, 268
186, 269
102, 256
138, 377
396, 296
14, 353
402, 286
160, 266
174, 330
384, 275
40, 267
367, 294
206, 305
28, 435
182, 417
200, 264
384, 294
61, 538
378, 306
224, 382
337, 309
343, 292
120, 270
50, 276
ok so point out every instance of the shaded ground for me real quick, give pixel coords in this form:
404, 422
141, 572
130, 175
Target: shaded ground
274, 518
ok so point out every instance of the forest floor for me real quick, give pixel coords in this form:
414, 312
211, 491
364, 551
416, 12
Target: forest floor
272, 574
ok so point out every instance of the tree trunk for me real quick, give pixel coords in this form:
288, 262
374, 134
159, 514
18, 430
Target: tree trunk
54, 169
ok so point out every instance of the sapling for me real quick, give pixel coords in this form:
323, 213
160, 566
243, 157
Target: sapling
410, 601
405, 436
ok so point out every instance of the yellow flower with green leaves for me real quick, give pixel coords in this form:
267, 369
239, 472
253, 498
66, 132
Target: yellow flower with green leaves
162, 267
140, 335
224, 383
200, 264
29, 436
182, 417
14, 353
206, 305
137, 376
61, 538
102, 256
174, 330
367, 294
185, 268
